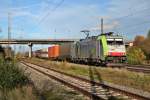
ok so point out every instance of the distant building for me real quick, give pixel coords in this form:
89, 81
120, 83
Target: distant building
129, 44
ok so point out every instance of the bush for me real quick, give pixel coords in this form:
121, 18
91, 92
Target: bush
145, 46
11, 76
135, 55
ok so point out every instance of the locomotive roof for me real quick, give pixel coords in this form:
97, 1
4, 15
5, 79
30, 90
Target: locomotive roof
114, 36
89, 38
111, 35
107, 36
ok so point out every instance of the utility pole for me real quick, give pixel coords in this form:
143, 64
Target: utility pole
102, 30
9, 28
8, 48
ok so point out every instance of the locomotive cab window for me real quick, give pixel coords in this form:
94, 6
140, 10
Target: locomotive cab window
114, 41
119, 41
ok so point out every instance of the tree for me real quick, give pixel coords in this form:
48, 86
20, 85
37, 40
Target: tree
148, 34
135, 55
145, 46
138, 40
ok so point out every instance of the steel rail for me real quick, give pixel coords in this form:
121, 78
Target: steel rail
119, 90
135, 68
85, 92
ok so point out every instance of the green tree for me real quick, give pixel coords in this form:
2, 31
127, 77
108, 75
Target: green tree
148, 34
135, 55
145, 46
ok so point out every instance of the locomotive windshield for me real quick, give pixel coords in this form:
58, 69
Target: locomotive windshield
115, 41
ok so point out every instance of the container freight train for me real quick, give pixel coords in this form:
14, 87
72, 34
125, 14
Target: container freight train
102, 49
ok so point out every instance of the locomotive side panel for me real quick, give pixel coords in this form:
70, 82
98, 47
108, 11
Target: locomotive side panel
73, 51
92, 49
88, 49
83, 50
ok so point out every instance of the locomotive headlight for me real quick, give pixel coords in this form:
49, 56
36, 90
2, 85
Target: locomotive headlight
123, 53
109, 53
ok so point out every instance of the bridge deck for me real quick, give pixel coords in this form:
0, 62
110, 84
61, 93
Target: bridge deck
37, 41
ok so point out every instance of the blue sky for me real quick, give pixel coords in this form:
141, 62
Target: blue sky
44, 19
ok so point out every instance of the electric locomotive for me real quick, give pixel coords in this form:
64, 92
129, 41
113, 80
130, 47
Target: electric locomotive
105, 48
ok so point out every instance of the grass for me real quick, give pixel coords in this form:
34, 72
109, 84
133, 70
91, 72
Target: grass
11, 76
123, 77
14, 85
117, 76
20, 93
58, 92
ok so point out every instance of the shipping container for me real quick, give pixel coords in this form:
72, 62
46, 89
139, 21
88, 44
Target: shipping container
50, 52
53, 51
65, 51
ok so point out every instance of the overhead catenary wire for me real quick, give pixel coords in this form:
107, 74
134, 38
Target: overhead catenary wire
132, 26
129, 15
49, 12
122, 18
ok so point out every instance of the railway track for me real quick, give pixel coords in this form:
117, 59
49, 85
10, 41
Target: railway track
92, 89
135, 68
139, 68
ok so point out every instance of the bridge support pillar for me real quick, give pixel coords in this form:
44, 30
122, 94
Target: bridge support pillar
30, 49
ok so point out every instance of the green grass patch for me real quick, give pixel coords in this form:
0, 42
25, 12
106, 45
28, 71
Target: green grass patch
60, 93
14, 85
117, 76
11, 76
20, 93
123, 77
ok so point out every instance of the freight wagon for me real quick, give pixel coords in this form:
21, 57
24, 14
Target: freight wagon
55, 52
42, 53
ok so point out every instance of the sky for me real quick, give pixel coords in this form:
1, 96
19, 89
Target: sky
46, 19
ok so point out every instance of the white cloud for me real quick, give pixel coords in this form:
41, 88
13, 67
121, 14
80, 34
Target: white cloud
69, 19
131, 15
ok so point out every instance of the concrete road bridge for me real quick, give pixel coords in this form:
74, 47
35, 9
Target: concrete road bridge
36, 41
31, 42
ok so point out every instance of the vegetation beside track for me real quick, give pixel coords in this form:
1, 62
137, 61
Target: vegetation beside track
135, 55
140, 52
58, 92
51, 90
14, 85
20, 93
117, 76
